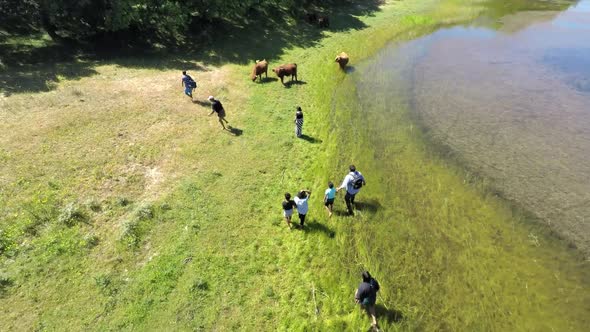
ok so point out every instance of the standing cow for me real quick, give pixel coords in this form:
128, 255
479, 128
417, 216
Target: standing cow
342, 59
323, 21
260, 67
286, 70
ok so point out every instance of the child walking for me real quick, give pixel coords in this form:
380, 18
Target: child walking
288, 205
329, 197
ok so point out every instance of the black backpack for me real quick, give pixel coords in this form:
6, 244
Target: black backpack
357, 180
374, 284
190, 82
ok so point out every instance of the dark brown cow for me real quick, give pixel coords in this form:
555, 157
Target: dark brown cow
260, 67
342, 59
323, 21
286, 70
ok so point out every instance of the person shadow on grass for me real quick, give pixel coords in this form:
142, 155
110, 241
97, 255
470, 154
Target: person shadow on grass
310, 139
234, 131
201, 103
315, 227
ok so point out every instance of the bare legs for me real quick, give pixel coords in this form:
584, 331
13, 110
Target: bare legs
288, 220
370, 310
371, 313
329, 208
221, 120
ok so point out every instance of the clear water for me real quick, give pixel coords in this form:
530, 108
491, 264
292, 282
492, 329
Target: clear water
507, 96
511, 103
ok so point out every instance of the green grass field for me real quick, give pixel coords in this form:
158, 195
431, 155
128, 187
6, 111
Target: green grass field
125, 207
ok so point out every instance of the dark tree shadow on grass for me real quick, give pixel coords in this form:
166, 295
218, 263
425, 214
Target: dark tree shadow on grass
316, 227
42, 78
265, 34
43, 70
341, 21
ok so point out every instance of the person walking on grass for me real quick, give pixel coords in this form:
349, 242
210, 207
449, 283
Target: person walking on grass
217, 107
302, 206
299, 122
353, 183
189, 84
288, 205
329, 197
366, 296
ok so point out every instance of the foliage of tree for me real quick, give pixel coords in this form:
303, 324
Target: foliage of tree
164, 20
18, 15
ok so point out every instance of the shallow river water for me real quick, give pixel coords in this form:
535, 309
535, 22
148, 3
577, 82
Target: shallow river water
507, 98
510, 98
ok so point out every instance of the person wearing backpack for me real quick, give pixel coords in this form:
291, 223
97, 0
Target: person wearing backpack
189, 84
353, 182
366, 296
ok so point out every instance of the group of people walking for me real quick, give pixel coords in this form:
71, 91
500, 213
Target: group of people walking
366, 293
352, 183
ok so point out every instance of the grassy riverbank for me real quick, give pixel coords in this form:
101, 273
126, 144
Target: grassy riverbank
175, 224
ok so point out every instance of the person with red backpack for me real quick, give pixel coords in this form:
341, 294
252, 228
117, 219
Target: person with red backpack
353, 182
366, 296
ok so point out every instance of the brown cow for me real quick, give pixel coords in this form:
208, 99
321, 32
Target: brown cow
286, 70
260, 67
342, 59
323, 21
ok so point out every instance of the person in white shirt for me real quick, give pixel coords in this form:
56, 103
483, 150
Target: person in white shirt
302, 207
353, 183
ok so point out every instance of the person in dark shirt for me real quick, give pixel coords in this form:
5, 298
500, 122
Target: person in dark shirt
288, 205
366, 296
189, 84
217, 107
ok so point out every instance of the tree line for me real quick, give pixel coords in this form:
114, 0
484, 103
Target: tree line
161, 20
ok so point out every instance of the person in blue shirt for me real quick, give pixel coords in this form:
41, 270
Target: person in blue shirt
189, 84
329, 197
